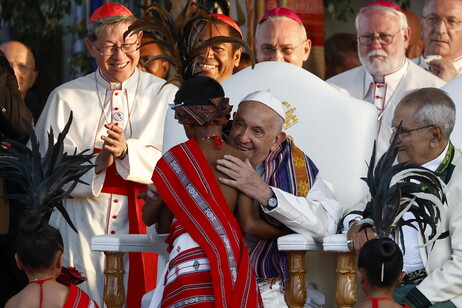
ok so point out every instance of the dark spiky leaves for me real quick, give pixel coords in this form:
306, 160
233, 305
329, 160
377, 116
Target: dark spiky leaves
400, 188
46, 180
179, 38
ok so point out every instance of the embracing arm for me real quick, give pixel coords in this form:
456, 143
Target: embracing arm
252, 224
316, 214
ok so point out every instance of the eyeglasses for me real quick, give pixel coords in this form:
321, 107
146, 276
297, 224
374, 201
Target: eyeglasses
384, 38
406, 132
286, 50
434, 20
125, 48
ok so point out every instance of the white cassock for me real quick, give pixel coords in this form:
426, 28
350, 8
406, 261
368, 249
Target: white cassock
139, 107
385, 94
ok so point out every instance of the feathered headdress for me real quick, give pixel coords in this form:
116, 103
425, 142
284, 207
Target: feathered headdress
179, 38
400, 188
43, 178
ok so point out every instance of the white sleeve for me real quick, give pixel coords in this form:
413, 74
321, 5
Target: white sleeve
316, 215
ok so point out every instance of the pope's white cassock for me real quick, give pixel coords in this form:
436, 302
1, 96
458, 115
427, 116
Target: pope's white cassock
137, 105
385, 93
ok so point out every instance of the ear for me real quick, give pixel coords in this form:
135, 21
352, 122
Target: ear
59, 259
307, 49
237, 57
18, 262
406, 37
89, 45
437, 135
278, 140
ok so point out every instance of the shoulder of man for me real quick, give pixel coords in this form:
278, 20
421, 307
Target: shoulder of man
423, 78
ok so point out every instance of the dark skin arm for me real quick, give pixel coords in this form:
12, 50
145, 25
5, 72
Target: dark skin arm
252, 224
155, 210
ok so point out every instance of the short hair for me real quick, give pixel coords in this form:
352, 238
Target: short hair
434, 107
37, 242
95, 28
382, 260
384, 10
278, 17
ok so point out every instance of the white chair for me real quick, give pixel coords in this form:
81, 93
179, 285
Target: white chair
333, 129
454, 90
336, 131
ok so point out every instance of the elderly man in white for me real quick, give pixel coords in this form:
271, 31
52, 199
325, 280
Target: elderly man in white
386, 75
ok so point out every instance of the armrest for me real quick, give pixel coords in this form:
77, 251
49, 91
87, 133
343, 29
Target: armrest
297, 242
335, 243
122, 242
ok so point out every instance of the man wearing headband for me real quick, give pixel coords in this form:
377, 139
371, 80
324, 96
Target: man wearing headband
118, 113
441, 26
218, 61
281, 36
187, 202
386, 75
287, 194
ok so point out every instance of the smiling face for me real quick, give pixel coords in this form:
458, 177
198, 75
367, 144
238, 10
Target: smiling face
380, 59
256, 131
438, 38
119, 66
217, 61
415, 146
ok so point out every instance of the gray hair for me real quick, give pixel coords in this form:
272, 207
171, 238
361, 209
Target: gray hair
277, 17
434, 107
384, 10
95, 28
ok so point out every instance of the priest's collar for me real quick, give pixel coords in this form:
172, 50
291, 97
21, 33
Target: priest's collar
130, 83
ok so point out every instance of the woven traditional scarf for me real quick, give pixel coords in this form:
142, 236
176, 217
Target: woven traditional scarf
188, 186
290, 170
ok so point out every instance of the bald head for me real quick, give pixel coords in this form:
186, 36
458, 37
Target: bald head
23, 63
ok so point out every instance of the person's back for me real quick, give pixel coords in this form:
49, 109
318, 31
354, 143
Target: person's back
54, 295
212, 154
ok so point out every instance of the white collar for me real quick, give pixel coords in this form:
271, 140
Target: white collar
434, 164
130, 83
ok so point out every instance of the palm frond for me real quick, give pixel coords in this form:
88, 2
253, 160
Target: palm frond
400, 188
46, 180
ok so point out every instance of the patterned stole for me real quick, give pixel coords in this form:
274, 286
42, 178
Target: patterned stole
290, 170
189, 188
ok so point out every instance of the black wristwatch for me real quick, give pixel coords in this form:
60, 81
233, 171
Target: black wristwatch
272, 203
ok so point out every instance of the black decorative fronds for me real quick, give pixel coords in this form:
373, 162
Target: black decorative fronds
400, 188
46, 180
179, 38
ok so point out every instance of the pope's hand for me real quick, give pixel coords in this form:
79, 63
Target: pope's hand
243, 177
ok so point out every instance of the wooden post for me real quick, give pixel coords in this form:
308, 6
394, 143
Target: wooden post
346, 288
295, 292
114, 290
